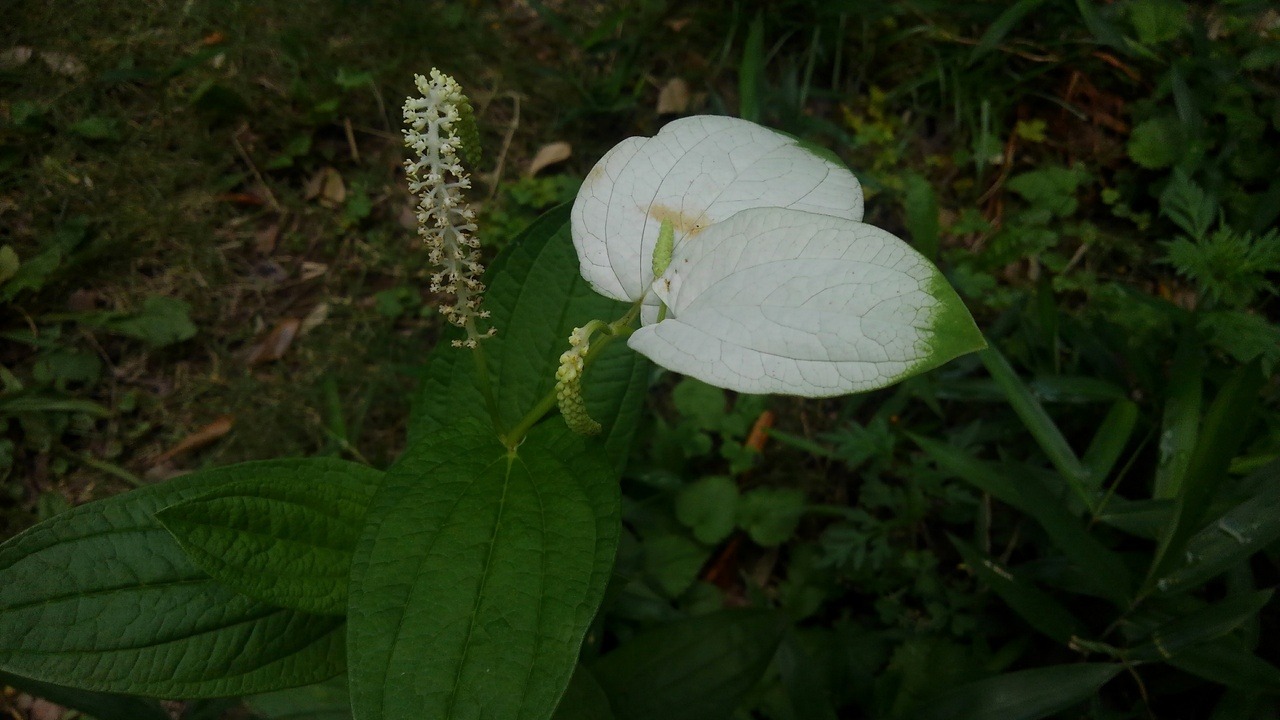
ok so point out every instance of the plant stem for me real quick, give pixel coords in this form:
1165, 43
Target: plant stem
486, 387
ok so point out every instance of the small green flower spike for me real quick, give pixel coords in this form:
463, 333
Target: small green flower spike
569, 382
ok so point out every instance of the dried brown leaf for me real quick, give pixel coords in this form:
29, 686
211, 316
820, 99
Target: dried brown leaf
673, 99
16, 56
63, 64
198, 439
275, 344
314, 319
548, 155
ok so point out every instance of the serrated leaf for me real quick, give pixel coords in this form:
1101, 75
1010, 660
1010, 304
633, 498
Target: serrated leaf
695, 172
1022, 695
708, 507
477, 575
1157, 143
770, 515
782, 301
536, 298
695, 669
284, 537
102, 598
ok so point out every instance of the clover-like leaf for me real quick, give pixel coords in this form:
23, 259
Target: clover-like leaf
695, 172
782, 301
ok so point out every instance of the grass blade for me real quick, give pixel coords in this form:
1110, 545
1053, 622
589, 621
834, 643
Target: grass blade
1038, 423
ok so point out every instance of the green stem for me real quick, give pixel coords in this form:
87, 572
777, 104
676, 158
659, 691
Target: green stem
486, 387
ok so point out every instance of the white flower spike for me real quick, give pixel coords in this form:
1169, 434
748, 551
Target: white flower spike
773, 284
697, 171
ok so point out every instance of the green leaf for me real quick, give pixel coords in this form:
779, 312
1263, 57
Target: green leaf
1000, 27
35, 272
1227, 662
1038, 423
284, 537
102, 598
1181, 422
708, 507
751, 73
1188, 205
537, 297
1051, 188
8, 263
1157, 143
920, 203
673, 562
13, 404
102, 706
1022, 695
770, 515
97, 128
1158, 21
1242, 531
477, 575
323, 701
161, 321
584, 699
1220, 437
695, 669
1109, 441
1039, 609
1209, 623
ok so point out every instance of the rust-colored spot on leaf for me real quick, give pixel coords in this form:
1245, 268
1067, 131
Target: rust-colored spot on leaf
683, 223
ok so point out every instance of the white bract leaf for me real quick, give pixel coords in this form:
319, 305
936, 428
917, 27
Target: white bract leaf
775, 300
694, 173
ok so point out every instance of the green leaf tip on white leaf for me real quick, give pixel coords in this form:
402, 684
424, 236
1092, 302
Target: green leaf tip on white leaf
781, 301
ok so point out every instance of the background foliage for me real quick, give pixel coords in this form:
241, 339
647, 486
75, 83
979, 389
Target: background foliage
205, 257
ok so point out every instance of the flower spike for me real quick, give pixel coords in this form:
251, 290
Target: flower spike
440, 125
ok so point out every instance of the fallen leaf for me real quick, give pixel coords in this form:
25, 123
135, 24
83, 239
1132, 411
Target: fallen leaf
550, 154
198, 439
15, 57
760, 431
679, 24
264, 240
314, 319
213, 38
326, 185
673, 99
62, 63
275, 344
311, 270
